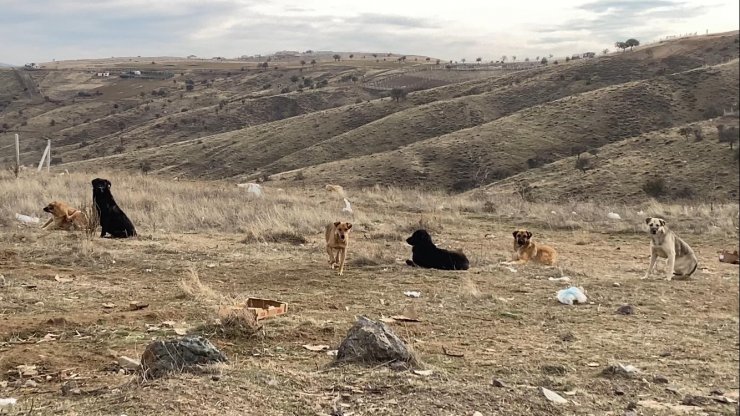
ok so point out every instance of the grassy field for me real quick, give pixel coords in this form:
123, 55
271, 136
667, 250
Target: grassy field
206, 244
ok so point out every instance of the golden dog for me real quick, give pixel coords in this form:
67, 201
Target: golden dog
64, 217
337, 238
525, 250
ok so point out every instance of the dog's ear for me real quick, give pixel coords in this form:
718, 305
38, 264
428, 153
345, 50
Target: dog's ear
349, 225
661, 221
515, 233
647, 220
336, 223
529, 234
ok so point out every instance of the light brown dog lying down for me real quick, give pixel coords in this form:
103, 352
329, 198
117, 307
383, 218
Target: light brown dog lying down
64, 217
337, 239
525, 250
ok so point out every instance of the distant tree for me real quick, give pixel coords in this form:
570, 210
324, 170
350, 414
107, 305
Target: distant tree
728, 135
437, 61
375, 55
313, 62
463, 60
121, 125
503, 58
654, 187
398, 94
513, 58
621, 45
631, 43
351, 56
303, 62
478, 59
52, 122
605, 51
336, 57
142, 94
550, 56
567, 59
543, 61
428, 59
145, 167
526, 59
285, 90
294, 78
189, 87
687, 131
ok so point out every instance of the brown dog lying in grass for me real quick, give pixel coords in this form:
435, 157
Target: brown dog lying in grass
64, 217
337, 238
525, 250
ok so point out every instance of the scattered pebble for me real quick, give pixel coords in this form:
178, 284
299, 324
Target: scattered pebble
626, 310
660, 380
30, 383
552, 396
497, 383
128, 363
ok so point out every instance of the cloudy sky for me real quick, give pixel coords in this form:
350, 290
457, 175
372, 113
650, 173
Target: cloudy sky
42, 30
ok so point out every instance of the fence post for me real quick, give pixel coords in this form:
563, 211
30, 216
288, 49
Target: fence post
48, 156
17, 156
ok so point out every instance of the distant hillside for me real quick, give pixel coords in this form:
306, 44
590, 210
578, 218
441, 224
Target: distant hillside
326, 122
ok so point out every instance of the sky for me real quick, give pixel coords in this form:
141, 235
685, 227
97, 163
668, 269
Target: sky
44, 30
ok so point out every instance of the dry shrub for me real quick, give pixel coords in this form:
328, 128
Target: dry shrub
468, 288
236, 321
193, 288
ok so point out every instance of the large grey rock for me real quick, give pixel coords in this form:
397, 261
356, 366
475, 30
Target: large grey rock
371, 342
184, 354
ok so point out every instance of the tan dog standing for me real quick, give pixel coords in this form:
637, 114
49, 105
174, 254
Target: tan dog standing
64, 217
337, 238
666, 244
525, 250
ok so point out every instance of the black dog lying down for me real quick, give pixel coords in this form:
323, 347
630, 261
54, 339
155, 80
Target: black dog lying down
112, 218
425, 254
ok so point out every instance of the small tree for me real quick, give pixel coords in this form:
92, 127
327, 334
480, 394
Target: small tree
631, 43
727, 134
294, 78
336, 57
605, 51
351, 56
654, 187
503, 58
398, 94
303, 62
313, 62
543, 61
478, 59
621, 45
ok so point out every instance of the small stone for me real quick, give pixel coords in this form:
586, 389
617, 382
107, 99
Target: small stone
626, 310
215, 377
554, 370
128, 363
616, 284
372, 342
717, 392
476, 413
631, 406
658, 379
568, 337
135, 305
618, 392
692, 400
30, 383
497, 383
552, 396
184, 354
39, 303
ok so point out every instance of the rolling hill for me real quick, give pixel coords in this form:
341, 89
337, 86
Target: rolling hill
329, 123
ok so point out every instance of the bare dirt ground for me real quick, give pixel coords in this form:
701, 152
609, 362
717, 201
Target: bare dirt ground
503, 320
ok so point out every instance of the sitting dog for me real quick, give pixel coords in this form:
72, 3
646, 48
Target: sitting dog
425, 254
525, 249
64, 217
666, 244
337, 238
113, 220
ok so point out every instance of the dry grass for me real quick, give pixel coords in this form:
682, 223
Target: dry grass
504, 321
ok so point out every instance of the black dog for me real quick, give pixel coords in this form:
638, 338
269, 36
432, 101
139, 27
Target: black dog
112, 218
425, 254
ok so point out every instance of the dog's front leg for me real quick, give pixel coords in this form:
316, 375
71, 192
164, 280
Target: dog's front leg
653, 261
342, 254
43, 227
671, 264
331, 256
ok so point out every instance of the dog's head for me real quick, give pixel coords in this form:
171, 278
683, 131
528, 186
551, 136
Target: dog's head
55, 208
655, 225
420, 238
522, 237
100, 185
342, 230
